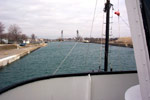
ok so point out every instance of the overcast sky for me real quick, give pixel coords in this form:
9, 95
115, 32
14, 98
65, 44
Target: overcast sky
46, 18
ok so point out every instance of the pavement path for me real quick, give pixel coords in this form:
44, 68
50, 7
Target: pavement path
11, 52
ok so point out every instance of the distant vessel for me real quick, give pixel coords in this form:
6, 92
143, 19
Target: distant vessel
96, 85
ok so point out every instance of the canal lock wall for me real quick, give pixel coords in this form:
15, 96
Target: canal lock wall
8, 60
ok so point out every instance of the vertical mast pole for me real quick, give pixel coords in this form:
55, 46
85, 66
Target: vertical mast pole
107, 10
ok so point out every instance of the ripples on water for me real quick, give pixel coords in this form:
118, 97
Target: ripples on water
84, 58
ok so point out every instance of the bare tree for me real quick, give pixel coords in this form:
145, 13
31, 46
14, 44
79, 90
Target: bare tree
24, 37
14, 32
1, 31
1, 28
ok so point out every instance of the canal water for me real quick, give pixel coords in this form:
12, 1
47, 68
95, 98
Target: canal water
85, 57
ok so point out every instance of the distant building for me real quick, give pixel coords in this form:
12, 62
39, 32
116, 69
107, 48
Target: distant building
5, 41
26, 41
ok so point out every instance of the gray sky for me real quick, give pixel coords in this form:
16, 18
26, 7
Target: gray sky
46, 18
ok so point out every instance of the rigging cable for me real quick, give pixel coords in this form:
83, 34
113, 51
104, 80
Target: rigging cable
101, 46
119, 44
118, 20
65, 58
121, 17
91, 30
119, 52
101, 40
110, 64
124, 21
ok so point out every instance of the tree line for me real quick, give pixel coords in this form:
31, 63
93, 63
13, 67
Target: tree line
14, 34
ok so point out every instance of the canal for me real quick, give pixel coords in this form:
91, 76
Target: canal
84, 58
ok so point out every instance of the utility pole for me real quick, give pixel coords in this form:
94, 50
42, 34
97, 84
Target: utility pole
77, 35
62, 35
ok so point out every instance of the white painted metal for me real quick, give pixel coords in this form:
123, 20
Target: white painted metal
89, 88
70, 88
112, 87
133, 93
96, 87
140, 46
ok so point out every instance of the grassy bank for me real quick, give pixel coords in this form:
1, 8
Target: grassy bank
8, 46
123, 42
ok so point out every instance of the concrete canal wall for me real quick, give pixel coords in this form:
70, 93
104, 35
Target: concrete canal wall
8, 60
18, 53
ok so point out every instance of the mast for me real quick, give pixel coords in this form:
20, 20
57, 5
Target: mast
107, 10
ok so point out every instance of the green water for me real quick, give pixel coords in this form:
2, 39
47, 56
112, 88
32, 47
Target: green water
84, 58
